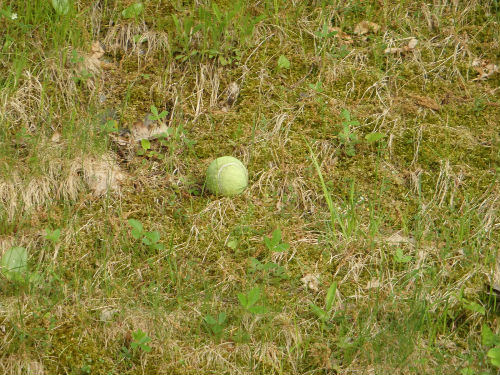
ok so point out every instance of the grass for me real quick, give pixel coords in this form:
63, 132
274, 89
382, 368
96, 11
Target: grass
134, 268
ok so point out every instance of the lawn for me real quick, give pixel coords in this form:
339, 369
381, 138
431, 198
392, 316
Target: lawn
366, 241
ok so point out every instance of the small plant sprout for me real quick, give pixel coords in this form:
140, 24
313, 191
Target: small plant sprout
400, 257
61, 7
274, 243
140, 341
374, 137
274, 271
53, 235
150, 239
133, 11
155, 116
326, 314
215, 326
283, 62
250, 299
492, 341
346, 136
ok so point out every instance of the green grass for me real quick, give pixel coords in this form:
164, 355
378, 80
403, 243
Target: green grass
391, 209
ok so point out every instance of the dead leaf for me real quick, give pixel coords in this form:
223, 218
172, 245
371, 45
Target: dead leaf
344, 37
102, 174
92, 62
56, 137
401, 50
97, 50
321, 356
147, 130
311, 281
484, 68
233, 91
426, 102
373, 283
107, 314
398, 239
364, 27
412, 44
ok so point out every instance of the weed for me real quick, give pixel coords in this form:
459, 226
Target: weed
215, 326
283, 62
150, 239
326, 314
492, 341
133, 11
140, 341
271, 270
274, 243
346, 136
250, 299
155, 116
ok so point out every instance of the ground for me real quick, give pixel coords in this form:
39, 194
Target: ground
365, 242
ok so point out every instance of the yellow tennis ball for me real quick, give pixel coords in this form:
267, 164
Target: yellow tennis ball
226, 176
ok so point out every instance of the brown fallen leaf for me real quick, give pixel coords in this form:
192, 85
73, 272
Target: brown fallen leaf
426, 102
484, 68
311, 281
97, 50
401, 50
373, 283
56, 137
102, 173
92, 62
342, 36
146, 130
398, 239
233, 91
364, 27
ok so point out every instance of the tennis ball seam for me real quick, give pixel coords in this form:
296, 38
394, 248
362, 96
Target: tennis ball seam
219, 187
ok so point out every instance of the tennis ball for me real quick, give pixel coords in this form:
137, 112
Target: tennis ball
226, 176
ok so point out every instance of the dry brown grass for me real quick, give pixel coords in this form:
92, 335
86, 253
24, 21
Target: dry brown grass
429, 190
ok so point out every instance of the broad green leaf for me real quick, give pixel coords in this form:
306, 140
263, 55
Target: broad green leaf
276, 238
136, 224
257, 309
346, 114
268, 242
494, 356
243, 299
222, 318
133, 11
488, 337
269, 266
467, 371
320, 313
282, 247
14, 263
232, 244
52, 235
473, 306
374, 137
210, 320
154, 110
330, 296
283, 62
255, 265
153, 236
399, 257
253, 296
145, 144
61, 6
